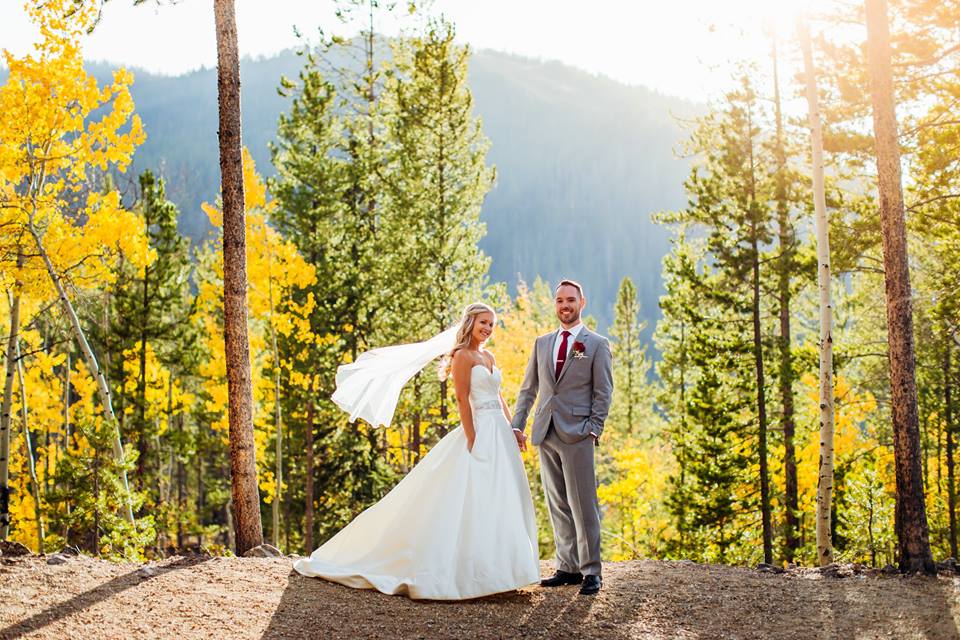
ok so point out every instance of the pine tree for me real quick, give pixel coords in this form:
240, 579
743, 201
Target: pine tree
632, 409
717, 438
317, 211
150, 312
679, 306
438, 179
729, 197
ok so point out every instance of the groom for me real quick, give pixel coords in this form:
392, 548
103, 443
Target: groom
570, 370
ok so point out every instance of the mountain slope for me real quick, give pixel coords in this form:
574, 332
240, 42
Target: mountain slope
581, 162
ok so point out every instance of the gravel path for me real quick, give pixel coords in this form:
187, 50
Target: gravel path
210, 598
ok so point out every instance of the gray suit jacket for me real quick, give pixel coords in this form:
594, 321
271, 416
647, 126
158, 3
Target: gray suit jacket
578, 401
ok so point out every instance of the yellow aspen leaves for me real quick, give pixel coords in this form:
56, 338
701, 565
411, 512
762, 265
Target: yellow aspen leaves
275, 269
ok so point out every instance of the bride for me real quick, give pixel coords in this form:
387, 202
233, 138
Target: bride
461, 523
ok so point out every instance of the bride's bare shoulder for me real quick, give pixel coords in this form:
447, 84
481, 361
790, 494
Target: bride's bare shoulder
462, 363
463, 359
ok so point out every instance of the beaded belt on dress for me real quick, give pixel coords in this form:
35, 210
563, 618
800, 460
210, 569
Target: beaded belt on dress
487, 405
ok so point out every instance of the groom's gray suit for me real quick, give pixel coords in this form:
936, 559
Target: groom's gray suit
571, 407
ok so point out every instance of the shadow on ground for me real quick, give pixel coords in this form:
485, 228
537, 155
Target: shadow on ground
311, 608
639, 600
87, 599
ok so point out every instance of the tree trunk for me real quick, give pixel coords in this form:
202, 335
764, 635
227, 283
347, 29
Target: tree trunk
231, 532
417, 419
278, 472
66, 430
10, 359
103, 389
181, 487
444, 411
243, 466
765, 519
911, 517
34, 481
201, 498
681, 450
66, 399
761, 412
95, 537
143, 446
948, 428
792, 502
308, 507
825, 472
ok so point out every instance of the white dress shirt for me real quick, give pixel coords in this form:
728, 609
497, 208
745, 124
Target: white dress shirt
574, 332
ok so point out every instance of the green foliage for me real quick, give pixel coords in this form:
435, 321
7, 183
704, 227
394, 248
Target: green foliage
84, 507
384, 184
632, 409
438, 179
148, 314
711, 411
587, 191
380, 181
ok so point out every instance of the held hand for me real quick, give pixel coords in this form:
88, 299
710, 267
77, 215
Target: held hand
521, 440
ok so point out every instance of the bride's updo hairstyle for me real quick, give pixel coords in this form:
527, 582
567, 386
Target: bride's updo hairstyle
467, 323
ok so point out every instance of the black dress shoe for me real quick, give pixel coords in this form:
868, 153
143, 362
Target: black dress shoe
591, 585
561, 578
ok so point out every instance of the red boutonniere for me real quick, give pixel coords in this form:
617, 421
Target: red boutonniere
579, 350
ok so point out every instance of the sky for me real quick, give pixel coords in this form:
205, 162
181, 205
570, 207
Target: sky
684, 48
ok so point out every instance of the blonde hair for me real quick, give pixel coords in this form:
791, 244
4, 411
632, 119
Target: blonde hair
464, 334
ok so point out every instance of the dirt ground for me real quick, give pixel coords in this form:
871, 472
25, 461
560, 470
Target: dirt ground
203, 597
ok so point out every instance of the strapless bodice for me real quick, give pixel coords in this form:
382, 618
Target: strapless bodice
484, 389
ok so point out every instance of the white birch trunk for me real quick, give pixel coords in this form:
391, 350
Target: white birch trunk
825, 473
29, 447
102, 388
5, 411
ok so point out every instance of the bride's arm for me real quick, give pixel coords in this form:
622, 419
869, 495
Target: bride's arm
462, 365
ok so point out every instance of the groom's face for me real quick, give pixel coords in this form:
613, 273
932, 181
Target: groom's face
569, 304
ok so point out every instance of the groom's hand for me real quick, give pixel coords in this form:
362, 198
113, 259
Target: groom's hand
521, 439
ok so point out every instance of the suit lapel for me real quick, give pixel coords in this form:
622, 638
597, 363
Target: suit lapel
581, 337
545, 355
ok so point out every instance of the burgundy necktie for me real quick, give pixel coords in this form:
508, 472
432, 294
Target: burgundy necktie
562, 354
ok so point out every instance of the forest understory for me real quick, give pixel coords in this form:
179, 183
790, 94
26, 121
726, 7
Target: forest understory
225, 597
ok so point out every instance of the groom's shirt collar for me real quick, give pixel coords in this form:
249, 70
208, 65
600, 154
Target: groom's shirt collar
574, 331
558, 338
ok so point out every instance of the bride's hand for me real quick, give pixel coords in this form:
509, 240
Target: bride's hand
521, 439
470, 442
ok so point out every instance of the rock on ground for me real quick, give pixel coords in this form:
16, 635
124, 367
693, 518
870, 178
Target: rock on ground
202, 597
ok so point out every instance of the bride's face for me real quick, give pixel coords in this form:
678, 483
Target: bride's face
483, 327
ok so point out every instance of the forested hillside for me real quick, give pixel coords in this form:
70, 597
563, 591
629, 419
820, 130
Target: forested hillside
803, 408
582, 161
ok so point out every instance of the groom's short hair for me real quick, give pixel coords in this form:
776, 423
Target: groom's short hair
570, 283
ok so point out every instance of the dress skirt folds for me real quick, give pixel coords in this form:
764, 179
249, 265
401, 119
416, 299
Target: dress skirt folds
460, 525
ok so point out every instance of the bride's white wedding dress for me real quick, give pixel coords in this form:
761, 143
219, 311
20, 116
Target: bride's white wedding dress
460, 525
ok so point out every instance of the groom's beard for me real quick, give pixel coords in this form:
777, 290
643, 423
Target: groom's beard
570, 318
